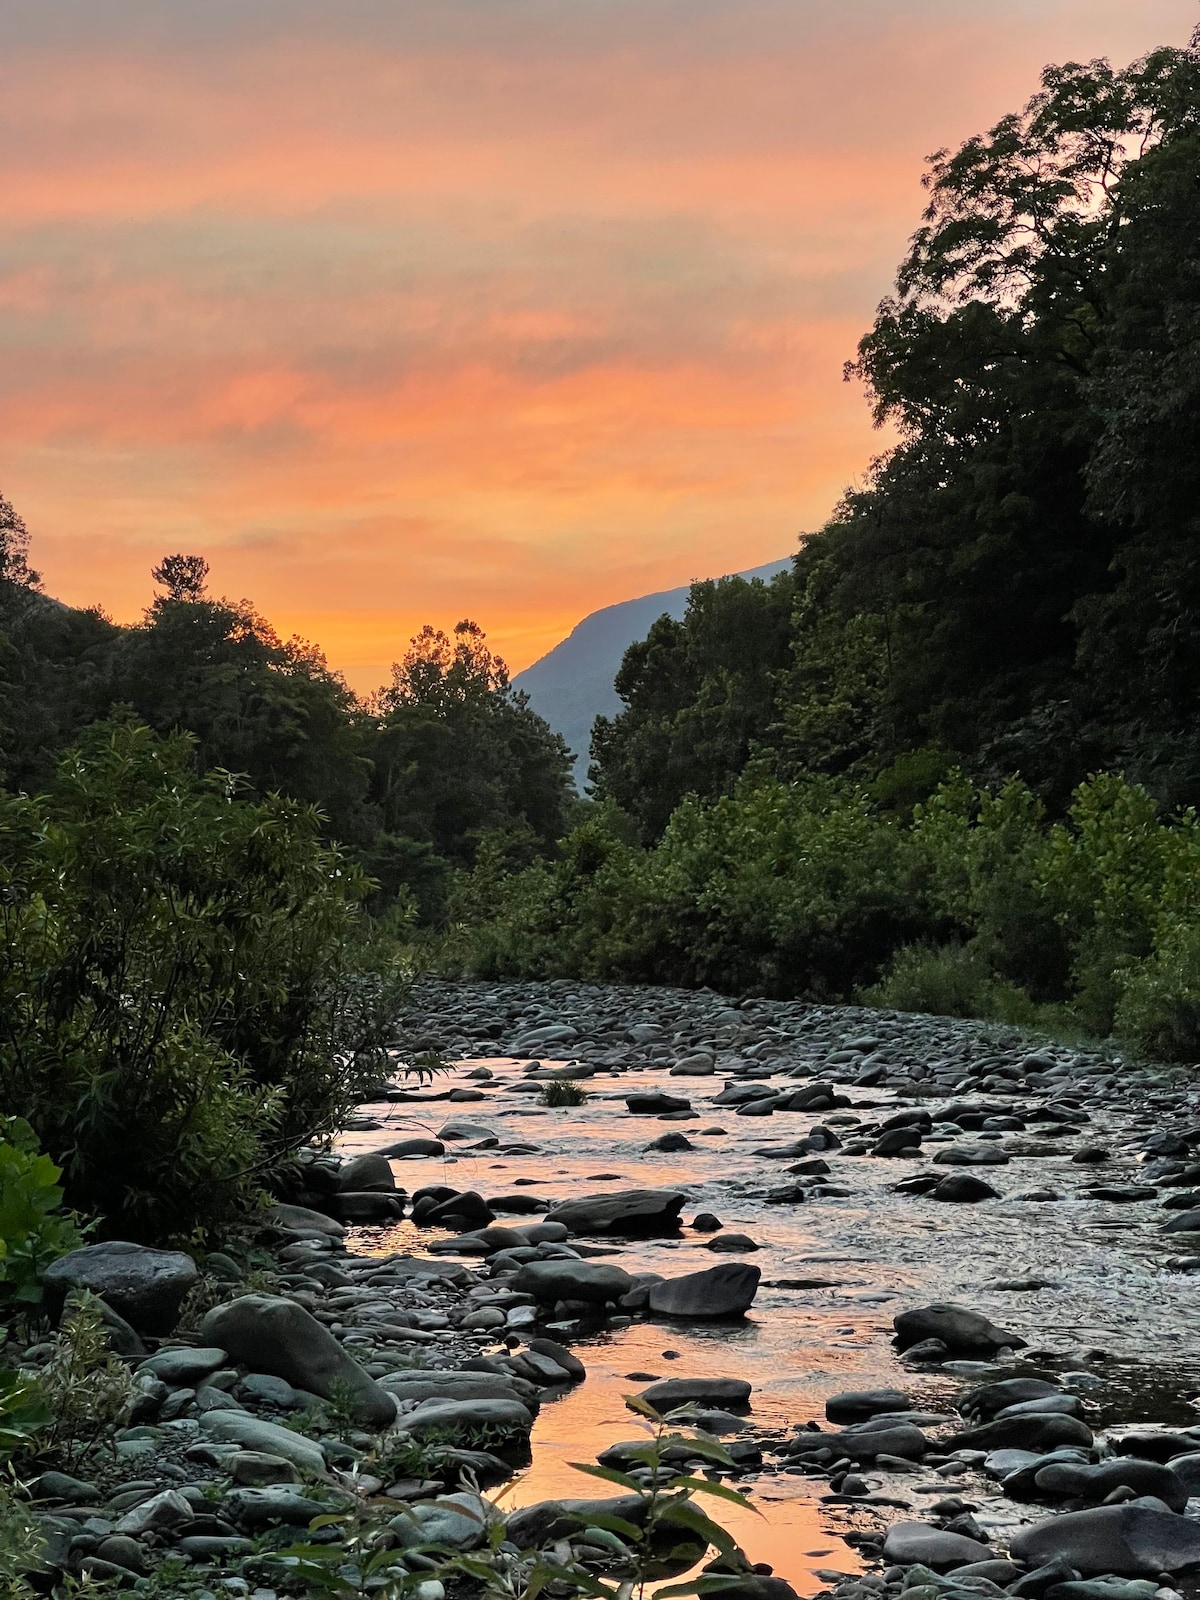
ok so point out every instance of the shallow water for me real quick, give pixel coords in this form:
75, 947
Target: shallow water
1108, 1303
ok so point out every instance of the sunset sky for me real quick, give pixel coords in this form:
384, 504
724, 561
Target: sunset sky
408, 310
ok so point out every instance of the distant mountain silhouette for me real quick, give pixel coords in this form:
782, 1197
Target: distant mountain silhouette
572, 684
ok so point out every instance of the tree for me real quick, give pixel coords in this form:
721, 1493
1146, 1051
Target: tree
700, 697
185, 578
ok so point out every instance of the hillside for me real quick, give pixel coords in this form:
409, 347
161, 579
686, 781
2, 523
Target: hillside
572, 684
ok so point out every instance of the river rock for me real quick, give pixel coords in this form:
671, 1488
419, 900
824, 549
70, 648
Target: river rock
372, 1171
182, 1366
865, 1443
656, 1104
466, 1418
145, 1286
672, 1392
1037, 1432
593, 1281
410, 1149
909, 1543
1096, 1483
1132, 1541
627, 1213
724, 1291
166, 1510
271, 1505
535, 1526
300, 1219
460, 1521
963, 1332
277, 1336
991, 1398
963, 1188
269, 1438
856, 1405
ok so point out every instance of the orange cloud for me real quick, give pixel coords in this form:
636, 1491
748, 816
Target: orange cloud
401, 313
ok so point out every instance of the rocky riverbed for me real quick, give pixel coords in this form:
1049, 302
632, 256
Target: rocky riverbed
931, 1283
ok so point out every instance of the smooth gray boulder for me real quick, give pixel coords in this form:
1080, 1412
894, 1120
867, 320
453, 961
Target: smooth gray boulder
592, 1281
277, 1336
1132, 1541
856, 1405
466, 1418
724, 1291
902, 1439
271, 1504
991, 1398
460, 1521
671, 1392
410, 1149
963, 1332
909, 1543
1033, 1431
628, 1213
535, 1526
183, 1366
268, 1438
368, 1172
300, 1219
1097, 1482
146, 1287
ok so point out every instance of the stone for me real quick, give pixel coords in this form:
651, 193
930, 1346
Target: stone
1096, 1483
122, 1550
460, 1521
1131, 1541
963, 1188
1036, 1432
656, 1104
368, 1205
279, 1337
466, 1210
465, 1418
992, 1398
251, 1468
270, 1505
268, 1438
856, 1405
1185, 1222
724, 1291
626, 1213
595, 1282
371, 1171
731, 1243
62, 1486
566, 1359
963, 1332
908, 1543
671, 1143
146, 1287
184, 1367
412, 1149
299, 1219
166, 1510
535, 1526
903, 1440
706, 1222
672, 1392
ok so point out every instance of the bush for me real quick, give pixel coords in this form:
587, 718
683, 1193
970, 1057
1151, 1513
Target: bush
1158, 1011
951, 981
186, 988
31, 1234
561, 1092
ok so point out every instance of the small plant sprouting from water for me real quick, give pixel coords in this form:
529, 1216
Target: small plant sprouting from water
430, 1064
561, 1092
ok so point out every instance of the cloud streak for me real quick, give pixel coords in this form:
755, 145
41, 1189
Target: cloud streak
504, 308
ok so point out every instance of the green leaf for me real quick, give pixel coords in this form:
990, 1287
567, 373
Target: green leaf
608, 1474
721, 1490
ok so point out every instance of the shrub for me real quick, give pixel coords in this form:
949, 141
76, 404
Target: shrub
950, 981
31, 1234
186, 991
1158, 1011
561, 1092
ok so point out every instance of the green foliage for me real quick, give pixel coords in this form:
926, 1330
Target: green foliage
31, 1234
85, 1388
24, 1413
561, 1092
953, 981
21, 1543
183, 980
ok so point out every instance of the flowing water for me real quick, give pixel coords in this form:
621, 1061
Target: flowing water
835, 1270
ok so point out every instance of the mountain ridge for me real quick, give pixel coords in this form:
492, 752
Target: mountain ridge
572, 684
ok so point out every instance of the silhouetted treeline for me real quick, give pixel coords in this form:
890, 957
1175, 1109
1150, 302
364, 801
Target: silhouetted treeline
1016, 587
411, 781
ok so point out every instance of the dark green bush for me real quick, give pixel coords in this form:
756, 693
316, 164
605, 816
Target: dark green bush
32, 1230
186, 994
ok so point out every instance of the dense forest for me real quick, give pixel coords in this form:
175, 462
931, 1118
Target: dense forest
408, 783
947, 761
